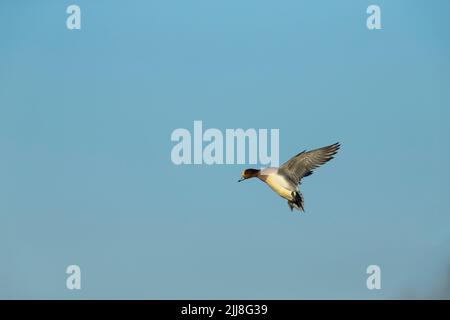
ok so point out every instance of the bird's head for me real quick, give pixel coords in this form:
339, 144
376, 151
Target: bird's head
248, 173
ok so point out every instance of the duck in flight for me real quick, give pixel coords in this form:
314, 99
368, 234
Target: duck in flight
286, 179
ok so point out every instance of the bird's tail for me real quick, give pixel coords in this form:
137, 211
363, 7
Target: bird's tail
297, 202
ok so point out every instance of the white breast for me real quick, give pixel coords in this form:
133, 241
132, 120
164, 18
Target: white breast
278, 183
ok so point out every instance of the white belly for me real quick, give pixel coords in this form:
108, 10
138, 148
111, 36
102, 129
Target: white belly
278, 184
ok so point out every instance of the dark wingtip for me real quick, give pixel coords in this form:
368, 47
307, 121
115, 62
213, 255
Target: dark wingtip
335, 147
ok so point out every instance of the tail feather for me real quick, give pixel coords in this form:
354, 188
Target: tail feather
297, 202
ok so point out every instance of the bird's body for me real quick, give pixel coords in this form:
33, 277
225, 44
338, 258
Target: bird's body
286, 179
277, 182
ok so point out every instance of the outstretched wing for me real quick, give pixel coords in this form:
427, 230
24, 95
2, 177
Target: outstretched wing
304, 163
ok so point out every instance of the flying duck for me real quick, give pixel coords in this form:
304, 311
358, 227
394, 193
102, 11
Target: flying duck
285, 180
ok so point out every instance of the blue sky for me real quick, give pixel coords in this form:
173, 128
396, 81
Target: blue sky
86, 175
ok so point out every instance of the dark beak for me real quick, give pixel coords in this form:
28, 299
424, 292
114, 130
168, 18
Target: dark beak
241, 179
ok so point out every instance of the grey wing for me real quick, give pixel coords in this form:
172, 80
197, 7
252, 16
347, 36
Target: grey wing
303, 163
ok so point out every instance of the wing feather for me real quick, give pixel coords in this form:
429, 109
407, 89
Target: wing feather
303, 164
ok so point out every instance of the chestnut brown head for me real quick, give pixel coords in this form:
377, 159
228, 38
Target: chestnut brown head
248, 173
